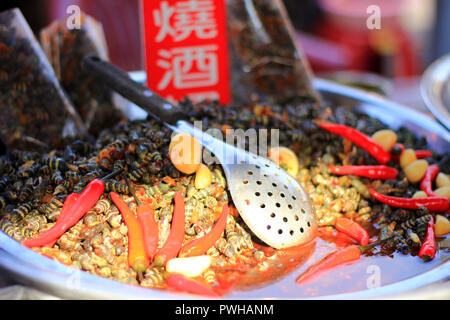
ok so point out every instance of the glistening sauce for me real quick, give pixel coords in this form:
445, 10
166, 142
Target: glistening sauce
367, 273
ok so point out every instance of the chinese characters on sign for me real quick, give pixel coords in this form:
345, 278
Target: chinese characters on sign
186, 49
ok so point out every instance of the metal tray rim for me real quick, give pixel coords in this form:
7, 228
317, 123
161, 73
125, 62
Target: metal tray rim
30, 268
431, 87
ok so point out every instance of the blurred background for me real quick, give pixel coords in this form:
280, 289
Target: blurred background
332, 33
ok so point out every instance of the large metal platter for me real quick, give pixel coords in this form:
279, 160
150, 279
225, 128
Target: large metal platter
33, 270
435, 89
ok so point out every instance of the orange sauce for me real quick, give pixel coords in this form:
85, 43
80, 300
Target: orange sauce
366, 273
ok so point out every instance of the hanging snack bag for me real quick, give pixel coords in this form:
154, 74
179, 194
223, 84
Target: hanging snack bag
35, 112
65, 48
265, 60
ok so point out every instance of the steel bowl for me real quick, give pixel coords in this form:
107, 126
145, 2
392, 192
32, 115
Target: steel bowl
34, 270
435, 89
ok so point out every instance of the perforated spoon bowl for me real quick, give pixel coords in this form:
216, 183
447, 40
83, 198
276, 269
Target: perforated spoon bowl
270, 201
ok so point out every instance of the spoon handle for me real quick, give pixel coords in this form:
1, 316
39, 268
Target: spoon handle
119, 81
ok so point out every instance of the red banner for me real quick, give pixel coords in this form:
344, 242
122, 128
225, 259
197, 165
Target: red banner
186, 49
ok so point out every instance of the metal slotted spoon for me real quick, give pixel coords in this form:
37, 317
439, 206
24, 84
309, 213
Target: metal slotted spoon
270, 201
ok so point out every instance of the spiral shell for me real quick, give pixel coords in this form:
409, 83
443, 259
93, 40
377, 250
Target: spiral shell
153, 278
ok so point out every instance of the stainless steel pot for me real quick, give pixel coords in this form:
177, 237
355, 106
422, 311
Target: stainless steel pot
435, 89
31, 269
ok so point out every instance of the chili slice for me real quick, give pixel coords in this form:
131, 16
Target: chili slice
146, 219
360, 139
336, 258
428, 248
381, 172
201, 245
137, 257
427, 181
175, 240
435, 204
421, 154
68, 203
183, 284
86, 201
352, 229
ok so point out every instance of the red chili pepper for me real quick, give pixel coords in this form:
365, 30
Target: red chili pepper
68, 203
175, 240
137, 257
360, 139
146, 218
381, 172
421, 154
183, 284
428, 248
352, 229
435, 204
336, 258
86, 201
426, 184
199, 246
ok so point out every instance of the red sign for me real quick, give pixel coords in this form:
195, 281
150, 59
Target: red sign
186, 49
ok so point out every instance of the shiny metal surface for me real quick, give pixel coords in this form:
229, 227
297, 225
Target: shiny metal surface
272, 203
31, 269
435, 89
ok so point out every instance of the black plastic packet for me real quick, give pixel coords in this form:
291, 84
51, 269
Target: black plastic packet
266, 63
